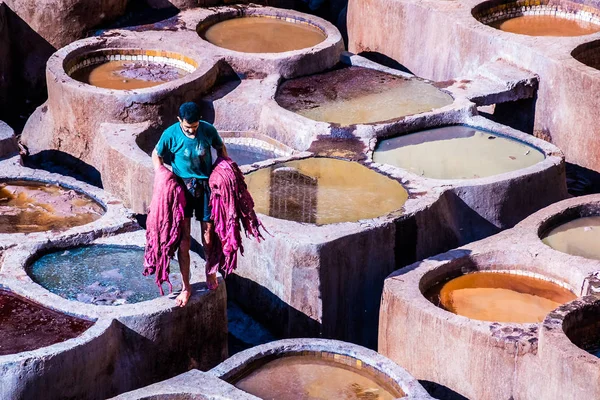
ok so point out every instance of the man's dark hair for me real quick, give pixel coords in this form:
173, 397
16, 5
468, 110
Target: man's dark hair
189, 112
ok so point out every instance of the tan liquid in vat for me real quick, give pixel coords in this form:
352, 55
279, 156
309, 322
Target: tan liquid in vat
499, 297
456, 152
121, 75
324, 191
312, 378
580, 237
546, 25
263, 35
27, 207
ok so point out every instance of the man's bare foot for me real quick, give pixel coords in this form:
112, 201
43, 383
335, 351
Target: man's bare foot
212, 282
183, 298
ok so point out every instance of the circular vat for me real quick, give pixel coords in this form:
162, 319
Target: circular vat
261, 33
588, 54
128, 69
32, 206
246, 148
456, 152
314, 370
574, 231
354, 95
539, 18
99, 274
582, 327
494, 295
28, 326
324, 191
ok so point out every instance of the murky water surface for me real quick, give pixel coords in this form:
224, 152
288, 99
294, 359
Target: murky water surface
456, 152
246, 155
546, 25
356, 95
580, 237
263, 35
312, 378
100, 274
127, 75
26, 326
27, 207
324, 191
499, 297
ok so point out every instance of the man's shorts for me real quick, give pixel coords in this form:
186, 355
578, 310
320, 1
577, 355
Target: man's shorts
197, 198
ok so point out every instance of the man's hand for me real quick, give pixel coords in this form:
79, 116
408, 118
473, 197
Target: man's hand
157, 160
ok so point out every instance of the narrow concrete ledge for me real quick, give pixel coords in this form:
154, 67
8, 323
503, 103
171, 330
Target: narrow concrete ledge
193, 385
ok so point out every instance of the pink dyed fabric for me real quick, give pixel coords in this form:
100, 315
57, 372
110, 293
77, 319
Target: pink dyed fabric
163, 227
231, 203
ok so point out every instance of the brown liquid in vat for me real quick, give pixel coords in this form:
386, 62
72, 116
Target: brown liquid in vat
27, 207
580, 237
355, 95
546, 25
263, 35
324, 191
312, 378
127, 75
26, 326
499, 297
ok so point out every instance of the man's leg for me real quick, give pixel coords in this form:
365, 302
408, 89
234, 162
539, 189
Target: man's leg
183, 256
208, 230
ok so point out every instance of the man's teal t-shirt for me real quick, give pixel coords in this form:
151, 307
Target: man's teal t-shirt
190, 158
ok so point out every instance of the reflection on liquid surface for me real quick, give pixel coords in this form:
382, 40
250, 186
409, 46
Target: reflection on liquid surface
27, 207
127, 75
27, 326
456, 152
100, 274
263, 35
580, 237
312, 378
324, 191
499, 297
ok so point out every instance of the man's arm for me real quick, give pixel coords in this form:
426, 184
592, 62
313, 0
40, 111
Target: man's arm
157, 160
222, 152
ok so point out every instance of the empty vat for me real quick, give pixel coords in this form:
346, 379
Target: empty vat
500, 297
125, 69
324, 191
99, 274
30, 206
543, 18
355, 95
28, 326
456, 152
263, 34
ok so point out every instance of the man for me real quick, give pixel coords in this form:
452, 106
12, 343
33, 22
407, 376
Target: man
188, 144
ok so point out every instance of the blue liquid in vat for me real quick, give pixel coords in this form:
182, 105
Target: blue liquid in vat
100, 274
247, 155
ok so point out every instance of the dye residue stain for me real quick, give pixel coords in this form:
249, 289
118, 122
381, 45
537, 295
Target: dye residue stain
324, 191
101, 275
580, 237
263, 35
27, 326
357, 95
546, 25
312, 378
456, 152
499, 297
27, 207
127, 75
246, 155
